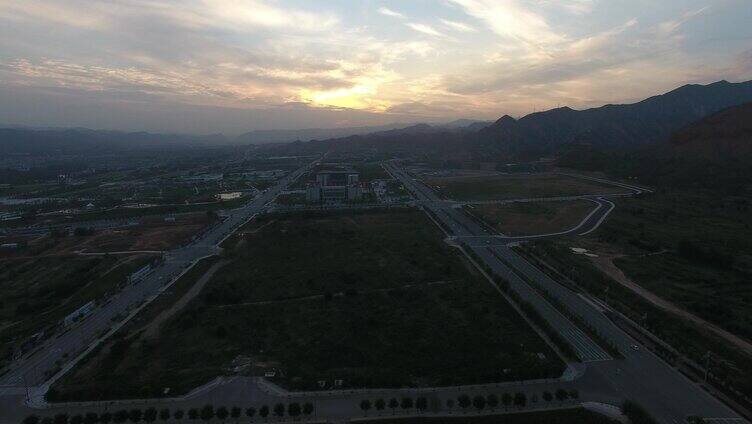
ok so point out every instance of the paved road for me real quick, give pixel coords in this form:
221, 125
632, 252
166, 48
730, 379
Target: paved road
63, 350
640, 375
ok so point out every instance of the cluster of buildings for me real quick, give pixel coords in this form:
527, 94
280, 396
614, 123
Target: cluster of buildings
334, 186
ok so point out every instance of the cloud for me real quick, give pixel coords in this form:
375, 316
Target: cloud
510, 19
425, 29
391, 13
458, 26
672, 25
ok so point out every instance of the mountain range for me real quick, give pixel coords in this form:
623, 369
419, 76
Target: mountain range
612, 126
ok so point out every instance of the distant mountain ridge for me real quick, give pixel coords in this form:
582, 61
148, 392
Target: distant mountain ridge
29, 140
612, 126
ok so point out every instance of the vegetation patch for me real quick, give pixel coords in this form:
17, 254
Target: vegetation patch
529, 218
516, 187
356, 299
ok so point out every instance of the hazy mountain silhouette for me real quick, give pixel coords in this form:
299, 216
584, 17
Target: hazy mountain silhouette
612, 126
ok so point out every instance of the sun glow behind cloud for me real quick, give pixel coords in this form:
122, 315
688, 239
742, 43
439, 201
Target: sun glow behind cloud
393, 61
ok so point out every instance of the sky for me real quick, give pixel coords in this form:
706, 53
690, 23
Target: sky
210, 66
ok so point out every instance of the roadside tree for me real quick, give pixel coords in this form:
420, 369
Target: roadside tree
365, 405
492, 400
479, 402
293, 409
150, 415
222, 413
421, 404
463, 401
264, 411
207, 412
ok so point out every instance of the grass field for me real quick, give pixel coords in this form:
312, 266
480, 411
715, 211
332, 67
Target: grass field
520, 219
373, 298
693, 250
515, 187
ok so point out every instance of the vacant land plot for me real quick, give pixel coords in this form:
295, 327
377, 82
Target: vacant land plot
528, 218
693, 250
516, 187
374, 298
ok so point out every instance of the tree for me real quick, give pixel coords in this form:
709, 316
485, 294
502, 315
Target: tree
264, 411
207, 412
222, 413
105, 417
178, 414
574, 394
506, 400
235, 412
393, 404
407, 403
561, 395
463, 401
520, 400
365, 405
46, 420
479, 402
492, 400
135, 415
91, 418
79, 419
380, 404
548, 397
293, 409
150, 415
279, 409
193, 414
164, 414
250, 412
31, 419
63, 419
421, 404
121, 416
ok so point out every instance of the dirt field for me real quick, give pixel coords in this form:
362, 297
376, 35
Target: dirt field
522, 219
516, 187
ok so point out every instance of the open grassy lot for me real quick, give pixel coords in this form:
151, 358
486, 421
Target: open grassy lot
515, 187
528, 218
38, 292
694, 250
372, 298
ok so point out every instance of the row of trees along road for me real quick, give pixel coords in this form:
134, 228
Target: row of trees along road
150, 415
479, 402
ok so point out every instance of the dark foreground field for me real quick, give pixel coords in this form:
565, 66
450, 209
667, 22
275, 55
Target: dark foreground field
374, 299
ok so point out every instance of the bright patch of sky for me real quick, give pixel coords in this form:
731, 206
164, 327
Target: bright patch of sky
235, 65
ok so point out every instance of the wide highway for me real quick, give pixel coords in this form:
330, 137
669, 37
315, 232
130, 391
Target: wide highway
639, 375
